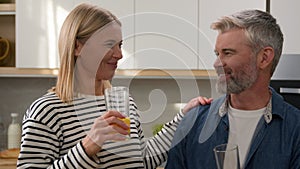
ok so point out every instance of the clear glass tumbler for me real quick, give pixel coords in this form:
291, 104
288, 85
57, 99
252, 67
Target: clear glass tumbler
117, 98
227, 156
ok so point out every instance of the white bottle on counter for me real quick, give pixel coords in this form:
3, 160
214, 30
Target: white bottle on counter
14, 132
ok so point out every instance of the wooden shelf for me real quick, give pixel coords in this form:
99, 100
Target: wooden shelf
27, 72
7, 9
120, 73
157, 73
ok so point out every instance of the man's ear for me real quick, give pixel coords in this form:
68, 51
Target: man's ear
78, 47
265, 57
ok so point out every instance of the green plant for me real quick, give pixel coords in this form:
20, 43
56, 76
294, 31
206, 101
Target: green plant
156, 128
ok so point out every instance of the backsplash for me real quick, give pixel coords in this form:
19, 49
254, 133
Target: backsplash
157, 99
17, 93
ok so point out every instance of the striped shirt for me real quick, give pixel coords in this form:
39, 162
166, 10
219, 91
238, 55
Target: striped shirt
53, 130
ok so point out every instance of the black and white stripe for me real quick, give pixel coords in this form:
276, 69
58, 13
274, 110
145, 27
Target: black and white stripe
52, 134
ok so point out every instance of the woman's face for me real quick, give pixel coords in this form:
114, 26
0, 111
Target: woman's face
109, 63
99, 56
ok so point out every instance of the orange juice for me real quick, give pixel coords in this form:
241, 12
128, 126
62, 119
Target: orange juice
127, 122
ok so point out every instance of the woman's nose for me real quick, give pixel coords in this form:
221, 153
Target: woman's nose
117, 52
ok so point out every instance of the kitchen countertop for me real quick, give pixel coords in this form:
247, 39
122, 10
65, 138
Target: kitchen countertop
8, 163
11, 164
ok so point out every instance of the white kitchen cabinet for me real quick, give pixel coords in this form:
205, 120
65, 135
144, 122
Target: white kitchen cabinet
176, 34
37, 29
287, 13
169, 34
38, 26
210, 11
166, 34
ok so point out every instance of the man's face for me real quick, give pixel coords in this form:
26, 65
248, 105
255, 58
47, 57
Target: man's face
236, 63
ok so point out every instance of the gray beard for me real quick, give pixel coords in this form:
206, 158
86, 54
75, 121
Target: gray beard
238, 84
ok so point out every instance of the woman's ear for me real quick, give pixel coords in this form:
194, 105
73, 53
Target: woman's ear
265, 57
78, 47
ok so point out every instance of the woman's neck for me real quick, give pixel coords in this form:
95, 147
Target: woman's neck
99, 88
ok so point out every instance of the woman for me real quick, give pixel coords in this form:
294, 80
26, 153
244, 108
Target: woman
69, 127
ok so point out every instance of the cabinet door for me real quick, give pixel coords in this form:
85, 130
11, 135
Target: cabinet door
210, 11
287, 13
7, 31
37, 28
166, 34
39, 23
124, 10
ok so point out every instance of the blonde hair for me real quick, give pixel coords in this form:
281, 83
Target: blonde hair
80, 24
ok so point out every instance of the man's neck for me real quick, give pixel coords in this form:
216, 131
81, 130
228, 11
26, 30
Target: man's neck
251, 99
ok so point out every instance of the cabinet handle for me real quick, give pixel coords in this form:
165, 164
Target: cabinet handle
289, 90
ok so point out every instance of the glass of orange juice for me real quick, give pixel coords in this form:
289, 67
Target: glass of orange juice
117, 98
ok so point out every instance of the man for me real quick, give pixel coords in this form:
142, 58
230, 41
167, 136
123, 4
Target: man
250, 114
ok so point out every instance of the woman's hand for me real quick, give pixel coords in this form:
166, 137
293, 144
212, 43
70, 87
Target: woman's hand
107, 127
195, 102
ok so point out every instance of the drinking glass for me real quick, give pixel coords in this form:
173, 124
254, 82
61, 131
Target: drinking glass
117, 98
227, 156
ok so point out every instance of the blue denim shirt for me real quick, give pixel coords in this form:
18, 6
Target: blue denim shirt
275, 144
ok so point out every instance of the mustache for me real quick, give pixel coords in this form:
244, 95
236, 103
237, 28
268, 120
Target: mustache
221, 70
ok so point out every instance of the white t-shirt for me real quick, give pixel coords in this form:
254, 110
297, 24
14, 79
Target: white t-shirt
242, 124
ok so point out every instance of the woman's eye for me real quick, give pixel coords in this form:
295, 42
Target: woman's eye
120, 45
109, 45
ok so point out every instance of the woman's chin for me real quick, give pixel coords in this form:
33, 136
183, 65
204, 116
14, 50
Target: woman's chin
110, 77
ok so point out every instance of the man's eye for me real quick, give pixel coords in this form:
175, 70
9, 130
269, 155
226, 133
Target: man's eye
228, 53
216, 53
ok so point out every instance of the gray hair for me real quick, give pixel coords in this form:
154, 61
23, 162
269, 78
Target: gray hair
261, 30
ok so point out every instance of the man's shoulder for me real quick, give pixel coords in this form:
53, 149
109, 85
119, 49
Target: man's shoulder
283, 108
290, 113
203, 110
193, 122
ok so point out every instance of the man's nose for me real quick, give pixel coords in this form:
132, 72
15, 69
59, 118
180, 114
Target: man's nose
218, 62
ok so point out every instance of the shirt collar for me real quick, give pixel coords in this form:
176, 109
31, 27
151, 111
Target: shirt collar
267, 113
